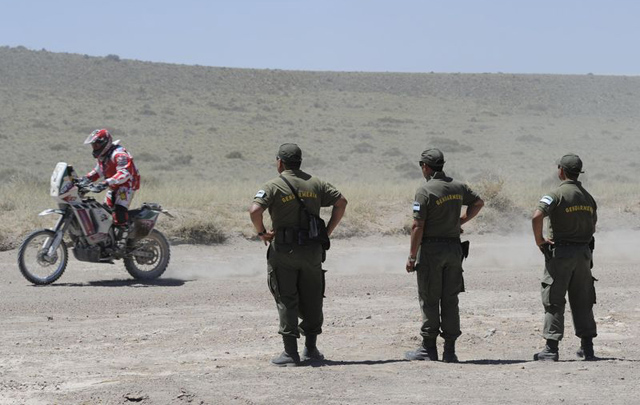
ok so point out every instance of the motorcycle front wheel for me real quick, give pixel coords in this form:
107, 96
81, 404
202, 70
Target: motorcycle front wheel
34, 263
149, 258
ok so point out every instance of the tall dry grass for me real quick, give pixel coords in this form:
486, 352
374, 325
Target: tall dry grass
209, 213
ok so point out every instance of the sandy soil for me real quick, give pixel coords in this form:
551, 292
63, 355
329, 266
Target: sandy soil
204, 333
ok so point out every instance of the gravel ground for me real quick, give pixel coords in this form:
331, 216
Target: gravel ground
205, 332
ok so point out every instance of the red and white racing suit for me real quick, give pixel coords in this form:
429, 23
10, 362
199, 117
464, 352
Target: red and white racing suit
123, 179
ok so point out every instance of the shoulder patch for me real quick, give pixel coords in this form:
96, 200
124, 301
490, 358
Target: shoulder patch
546, 200
260, 194
416, 206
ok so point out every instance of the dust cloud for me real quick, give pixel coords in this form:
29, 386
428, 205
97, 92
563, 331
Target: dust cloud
387, 255
192, 262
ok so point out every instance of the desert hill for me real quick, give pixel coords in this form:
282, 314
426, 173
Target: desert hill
220, 127
228, 122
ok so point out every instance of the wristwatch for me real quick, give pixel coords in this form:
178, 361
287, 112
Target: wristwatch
412, 259
262, 233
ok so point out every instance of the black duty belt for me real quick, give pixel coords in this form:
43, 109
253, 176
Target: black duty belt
441, 240
565, 243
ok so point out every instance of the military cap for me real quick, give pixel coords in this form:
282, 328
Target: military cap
571, 163
289, 152
432, 157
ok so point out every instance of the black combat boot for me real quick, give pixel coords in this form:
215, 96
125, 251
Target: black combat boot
310, 351
449, 353
290, 357
427, 351
549, 353
586, 349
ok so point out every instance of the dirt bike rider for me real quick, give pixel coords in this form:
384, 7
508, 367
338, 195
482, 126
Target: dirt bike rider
120, 175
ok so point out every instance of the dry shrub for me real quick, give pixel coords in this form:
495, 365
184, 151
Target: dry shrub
393, 152
234, 155
7, 243
449, 145
409, 170
182, 160
500, 214
199, 231
530, 139
394, 121
363, 147
492, 192
537, 107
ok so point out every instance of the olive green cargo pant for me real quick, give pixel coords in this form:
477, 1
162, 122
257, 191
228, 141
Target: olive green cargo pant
439, 273
569, 271
296, 280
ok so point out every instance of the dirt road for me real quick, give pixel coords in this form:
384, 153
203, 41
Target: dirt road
204, 333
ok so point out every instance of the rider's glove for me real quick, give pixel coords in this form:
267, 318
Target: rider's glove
101, 186
84, 181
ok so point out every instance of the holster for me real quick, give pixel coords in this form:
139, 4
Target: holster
465, 249
547, 251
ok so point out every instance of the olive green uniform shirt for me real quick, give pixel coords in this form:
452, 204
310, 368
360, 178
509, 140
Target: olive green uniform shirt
571, 211
284, 208
439, 203
572, 216
295, 277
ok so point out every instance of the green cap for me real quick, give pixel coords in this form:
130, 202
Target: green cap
432, 157
571, 163
289, 152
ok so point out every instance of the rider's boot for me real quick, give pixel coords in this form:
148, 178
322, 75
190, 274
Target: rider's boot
121, 235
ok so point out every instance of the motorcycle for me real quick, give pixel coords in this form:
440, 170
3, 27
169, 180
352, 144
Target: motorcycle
43, 256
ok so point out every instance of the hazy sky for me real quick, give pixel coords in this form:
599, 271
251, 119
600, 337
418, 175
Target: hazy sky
514, 36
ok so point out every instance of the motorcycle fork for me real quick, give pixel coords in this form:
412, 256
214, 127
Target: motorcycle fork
51, 245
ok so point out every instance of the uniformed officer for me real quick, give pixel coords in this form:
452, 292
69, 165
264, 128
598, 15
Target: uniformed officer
294, 263
436, 254
568, 257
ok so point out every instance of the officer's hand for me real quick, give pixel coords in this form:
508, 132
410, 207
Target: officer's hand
267, 237
411, 265
545, 245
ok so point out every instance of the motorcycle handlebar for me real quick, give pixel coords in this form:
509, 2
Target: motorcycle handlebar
86, 186
94, 189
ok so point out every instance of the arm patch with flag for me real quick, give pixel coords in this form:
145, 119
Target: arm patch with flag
546, 200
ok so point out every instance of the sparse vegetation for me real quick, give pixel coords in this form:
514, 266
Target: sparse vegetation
183, 124
449, 145
363, 147
234, 155
199, 231
182, 160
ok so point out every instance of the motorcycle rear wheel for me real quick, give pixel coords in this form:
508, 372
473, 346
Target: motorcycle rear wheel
152, 257
34, 265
